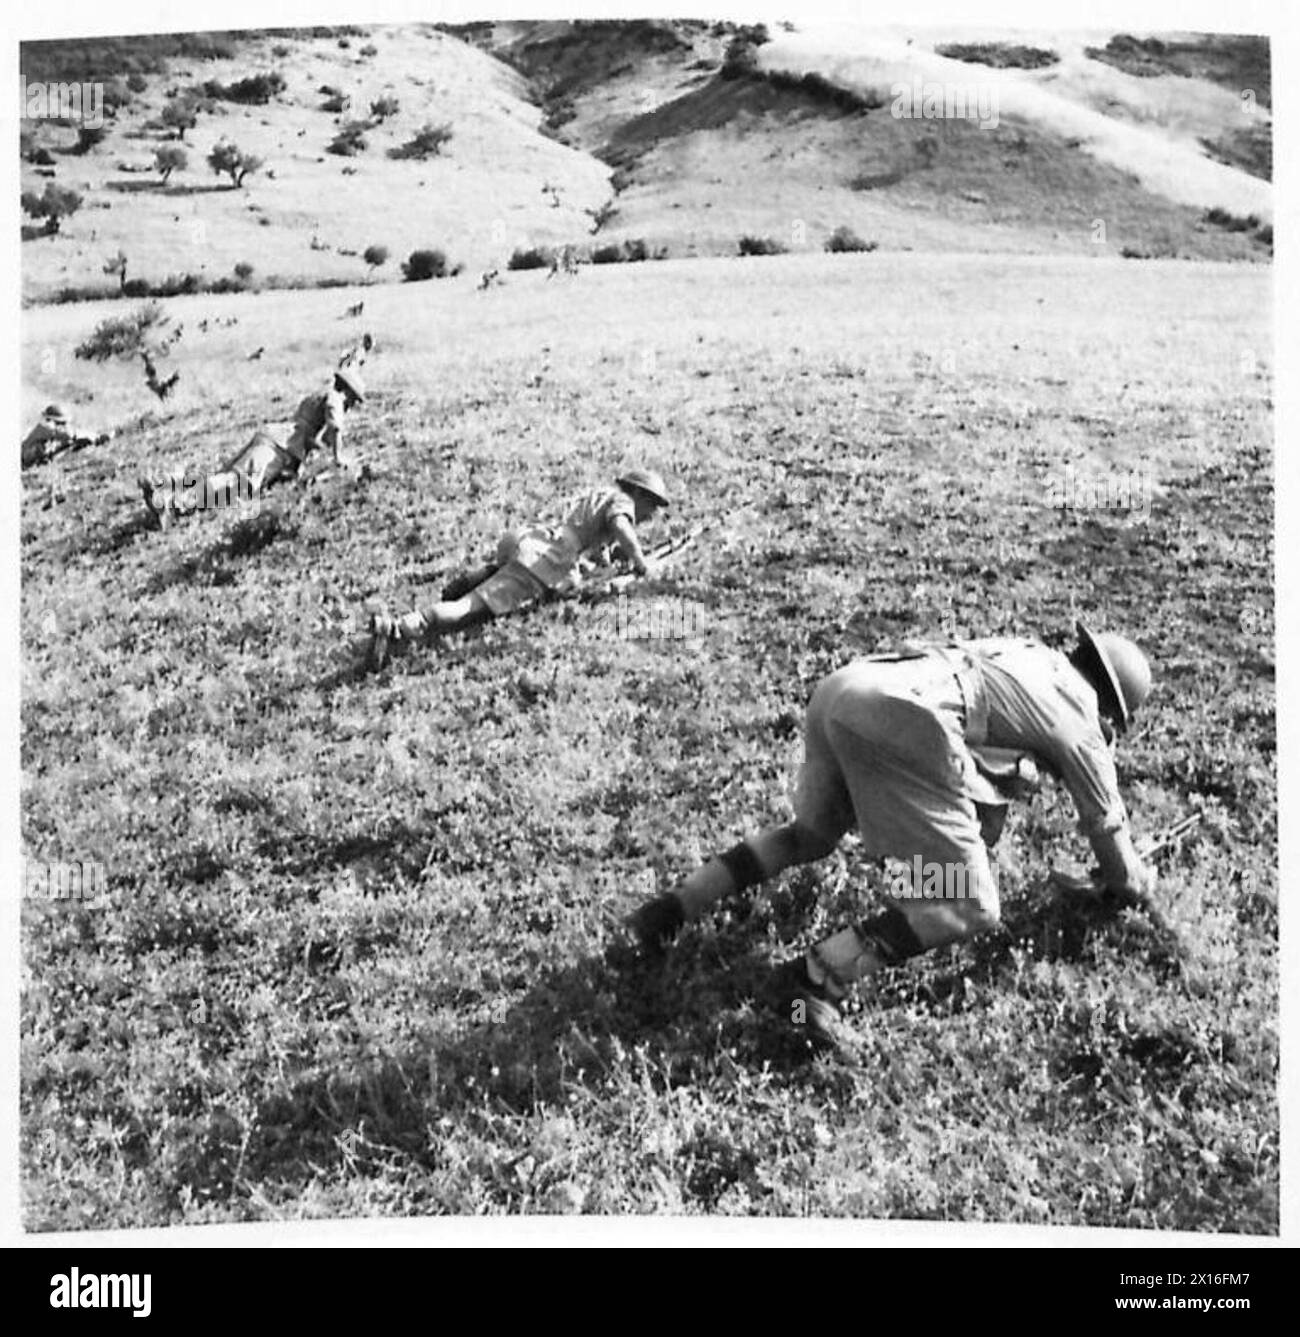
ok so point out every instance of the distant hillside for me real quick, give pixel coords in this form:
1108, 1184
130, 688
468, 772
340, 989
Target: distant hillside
685, 135
309, 214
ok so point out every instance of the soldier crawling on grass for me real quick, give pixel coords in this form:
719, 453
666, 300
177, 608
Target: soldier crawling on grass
532, 563
923, 751
276, 452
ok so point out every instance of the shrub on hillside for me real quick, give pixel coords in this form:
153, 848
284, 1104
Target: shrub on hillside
1231, 222
123, 336
374, 256
115, 96
877, 180
176, 285
532, 257
845, 239
336, 103
425, 264
741, 56
762, 246
427, 142
350, 140
384, 107
136, 82
88, 136
740, 60
631, 251
999, 55
255, 90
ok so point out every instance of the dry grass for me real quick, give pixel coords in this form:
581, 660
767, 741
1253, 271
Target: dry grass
352, 959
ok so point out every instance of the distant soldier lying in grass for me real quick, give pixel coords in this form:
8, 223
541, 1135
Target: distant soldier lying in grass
532, 563
275, 453
922, 751
54, 436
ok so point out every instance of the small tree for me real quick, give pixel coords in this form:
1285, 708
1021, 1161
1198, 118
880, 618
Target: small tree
124, 336
180, 115
375, 256
244, 272
117, 265
384, 107
170, 158
54, 205
229, 160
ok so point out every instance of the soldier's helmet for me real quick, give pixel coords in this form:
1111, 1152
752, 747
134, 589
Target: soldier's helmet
1123, 673
55, 416
347, 379
647, 481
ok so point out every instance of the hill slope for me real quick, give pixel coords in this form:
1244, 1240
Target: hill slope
589, 133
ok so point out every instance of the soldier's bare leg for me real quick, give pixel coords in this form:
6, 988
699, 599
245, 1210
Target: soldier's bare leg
388, 633
747, 864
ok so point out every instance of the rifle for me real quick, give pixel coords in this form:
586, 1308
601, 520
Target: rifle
660, 555
1148, 849
1162, 840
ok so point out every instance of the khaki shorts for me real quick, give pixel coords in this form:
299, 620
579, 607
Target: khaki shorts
262, 461
884, 750
533, 563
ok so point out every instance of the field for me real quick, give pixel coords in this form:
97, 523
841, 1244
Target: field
358, 952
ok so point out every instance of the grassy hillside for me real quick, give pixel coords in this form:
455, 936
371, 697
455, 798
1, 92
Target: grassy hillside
310, 214
357, 952
541, 115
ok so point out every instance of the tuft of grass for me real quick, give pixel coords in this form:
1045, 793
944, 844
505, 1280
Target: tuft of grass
845, 239
761, 246
531, 257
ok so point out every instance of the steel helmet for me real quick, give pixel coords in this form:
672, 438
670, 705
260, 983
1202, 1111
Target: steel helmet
53, 413
647, 481
1123, 673
352, 383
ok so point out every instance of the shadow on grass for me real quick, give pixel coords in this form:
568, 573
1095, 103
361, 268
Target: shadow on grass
244, 538
589, 1027
397, 851
102, 542
585, 1025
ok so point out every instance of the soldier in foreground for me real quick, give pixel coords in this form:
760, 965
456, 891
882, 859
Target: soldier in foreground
532, 563
274, 454
922, 751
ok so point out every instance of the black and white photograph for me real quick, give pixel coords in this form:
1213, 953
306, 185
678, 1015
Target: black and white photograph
635, 623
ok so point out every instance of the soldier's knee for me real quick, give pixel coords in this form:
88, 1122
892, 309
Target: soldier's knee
809, 845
